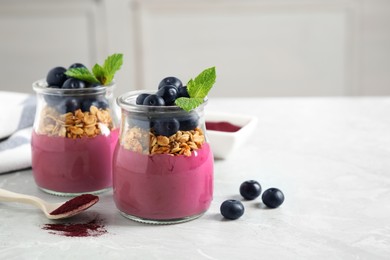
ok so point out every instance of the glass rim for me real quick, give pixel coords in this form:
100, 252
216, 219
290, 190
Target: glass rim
41, 86
127, 102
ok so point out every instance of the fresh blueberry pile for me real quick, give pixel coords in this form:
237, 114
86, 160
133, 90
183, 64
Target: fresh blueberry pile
57, 79
169, 89
250, 190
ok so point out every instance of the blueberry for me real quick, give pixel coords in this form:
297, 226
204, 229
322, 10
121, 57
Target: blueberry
140, 98
72, 83
250, 190
168, 81
77, 65
189, 123
154, 100
273, 197
232, 209
93, 85
56, 77
183, 92
97, 102
168, 93
69, 104
165, 126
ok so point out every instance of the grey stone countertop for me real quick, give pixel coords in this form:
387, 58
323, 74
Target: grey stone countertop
330, 157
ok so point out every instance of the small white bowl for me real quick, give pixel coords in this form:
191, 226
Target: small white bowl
223, 144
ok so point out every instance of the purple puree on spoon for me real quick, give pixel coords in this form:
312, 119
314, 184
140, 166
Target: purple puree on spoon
76, 205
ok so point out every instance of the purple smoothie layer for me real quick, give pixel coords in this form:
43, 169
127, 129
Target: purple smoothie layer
161, 186
73, 165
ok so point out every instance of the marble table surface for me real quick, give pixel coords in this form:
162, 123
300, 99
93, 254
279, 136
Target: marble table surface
330, 157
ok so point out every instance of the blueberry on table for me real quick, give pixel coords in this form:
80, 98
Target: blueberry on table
140, 98
165, 126
273, 197
168, 93
250, 190
56, 77
154, 100
183, 92
232, 209
73, 83
189, 123
77, 65
170, 81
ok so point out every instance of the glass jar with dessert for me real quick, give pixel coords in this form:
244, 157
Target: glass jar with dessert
75, 129
163, 164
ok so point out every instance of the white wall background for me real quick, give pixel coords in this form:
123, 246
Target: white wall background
260, 47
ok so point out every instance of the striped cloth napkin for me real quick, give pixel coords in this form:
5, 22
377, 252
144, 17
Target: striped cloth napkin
17, 112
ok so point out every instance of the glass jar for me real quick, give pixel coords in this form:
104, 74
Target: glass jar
163, 165
73, 140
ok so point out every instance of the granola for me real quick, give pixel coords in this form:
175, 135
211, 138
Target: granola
146, 142
74, 125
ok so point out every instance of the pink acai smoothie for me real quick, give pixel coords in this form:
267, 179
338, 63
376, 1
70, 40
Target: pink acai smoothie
161, 186
73, 165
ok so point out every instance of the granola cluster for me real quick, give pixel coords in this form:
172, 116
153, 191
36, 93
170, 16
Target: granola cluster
75, 124
146, 142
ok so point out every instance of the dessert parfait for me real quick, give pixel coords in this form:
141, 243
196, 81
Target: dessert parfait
163, 165
75, 129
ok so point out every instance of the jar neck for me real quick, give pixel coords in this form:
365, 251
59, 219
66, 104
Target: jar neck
127, 102
41, 87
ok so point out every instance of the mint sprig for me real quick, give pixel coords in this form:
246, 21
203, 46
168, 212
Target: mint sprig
198, 89
100, 74
82, 74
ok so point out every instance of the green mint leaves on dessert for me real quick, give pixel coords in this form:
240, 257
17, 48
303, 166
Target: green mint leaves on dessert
100, 74
82, 74
198, 89
188, 103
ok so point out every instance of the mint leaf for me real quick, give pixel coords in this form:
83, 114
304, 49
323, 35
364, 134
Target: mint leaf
99, 73
111, 65
188, 103
82, 74
201, 85
198, 89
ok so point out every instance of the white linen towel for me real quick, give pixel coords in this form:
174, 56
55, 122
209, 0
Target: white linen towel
17, 112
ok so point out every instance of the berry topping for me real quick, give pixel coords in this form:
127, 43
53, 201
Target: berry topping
140, 99
250, 190
170, 81
97, 102
190, 122
77, 65
166, 127
68, 105
273, 197
154, 100
56, 77
232, 209
72, 83
168, 93
183, 92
